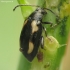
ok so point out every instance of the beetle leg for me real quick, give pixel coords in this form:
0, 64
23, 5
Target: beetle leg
47, 23
51, 24
42, 42
21, 49
46, 33
58, 22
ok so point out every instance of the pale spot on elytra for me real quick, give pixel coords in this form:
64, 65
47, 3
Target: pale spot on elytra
31, 47
34, 26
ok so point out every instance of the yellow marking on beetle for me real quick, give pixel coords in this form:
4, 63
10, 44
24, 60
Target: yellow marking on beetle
34, 26
31, 47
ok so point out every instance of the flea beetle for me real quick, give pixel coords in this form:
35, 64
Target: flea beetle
31, 35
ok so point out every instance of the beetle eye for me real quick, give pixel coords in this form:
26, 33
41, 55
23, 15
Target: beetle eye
37, 9
44, 12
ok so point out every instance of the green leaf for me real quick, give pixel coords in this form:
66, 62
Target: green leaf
26, 10
49, 55
24, 64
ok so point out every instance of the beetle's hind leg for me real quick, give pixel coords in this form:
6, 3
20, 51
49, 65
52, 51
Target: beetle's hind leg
21, 50
44, 29
42, 42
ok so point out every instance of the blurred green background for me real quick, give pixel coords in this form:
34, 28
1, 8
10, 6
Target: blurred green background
10, 27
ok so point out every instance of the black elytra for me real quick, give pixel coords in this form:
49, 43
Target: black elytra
31, 34
27, 35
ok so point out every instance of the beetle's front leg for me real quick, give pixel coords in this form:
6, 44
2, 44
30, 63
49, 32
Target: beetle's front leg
47, 23
51, 24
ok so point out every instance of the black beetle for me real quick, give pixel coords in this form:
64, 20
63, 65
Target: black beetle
31, 35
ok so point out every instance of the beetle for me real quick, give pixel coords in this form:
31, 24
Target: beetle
31, 35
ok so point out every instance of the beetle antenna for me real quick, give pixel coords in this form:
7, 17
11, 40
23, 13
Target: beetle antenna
52, 12
24, 5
